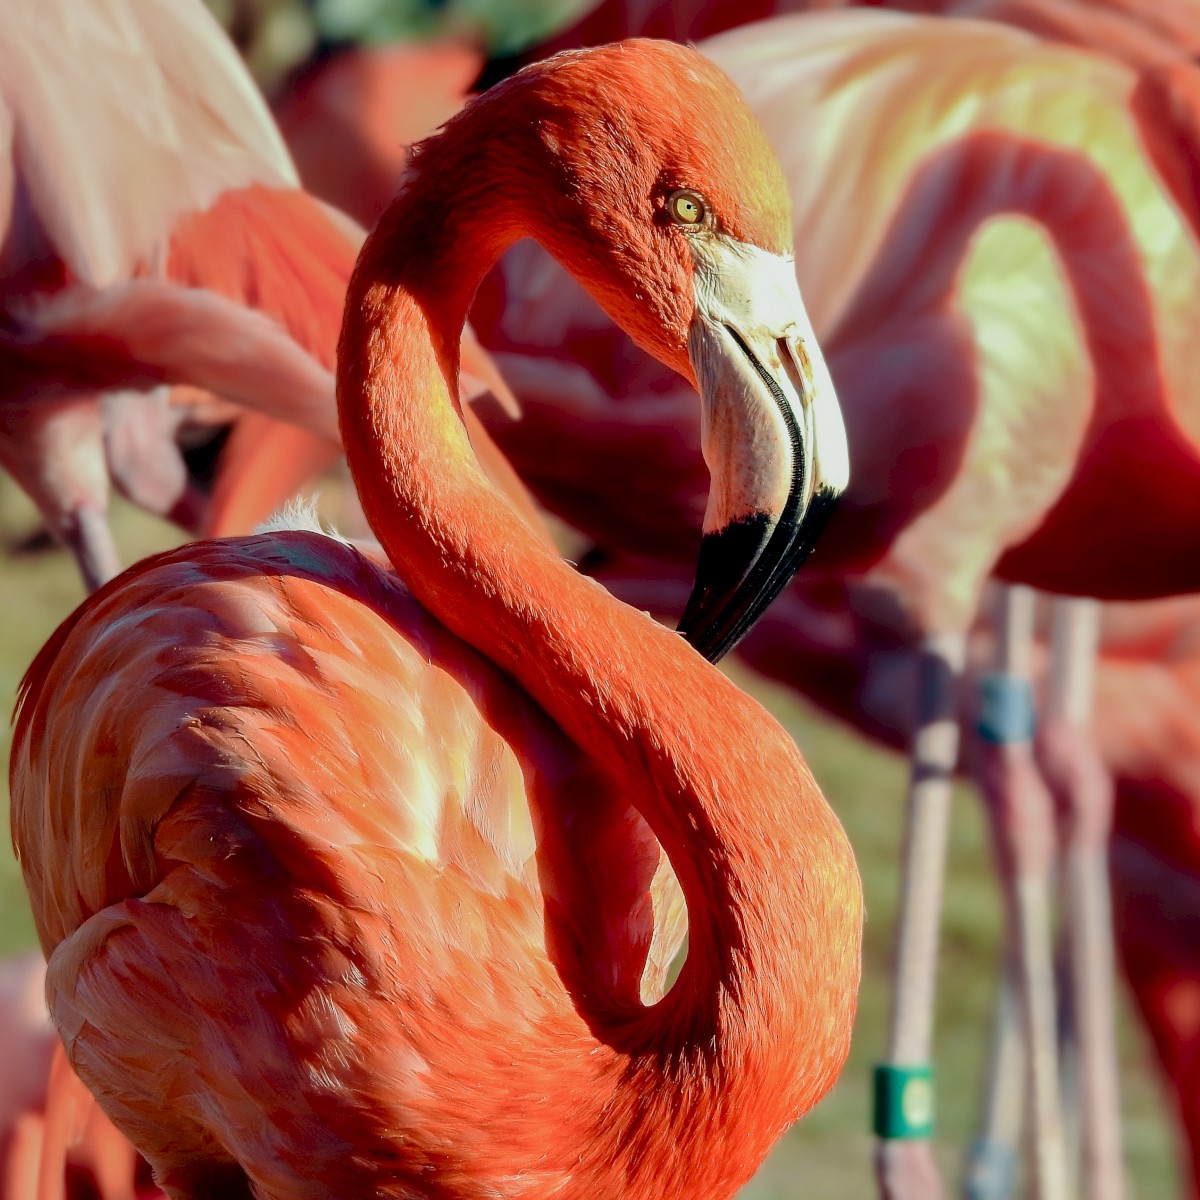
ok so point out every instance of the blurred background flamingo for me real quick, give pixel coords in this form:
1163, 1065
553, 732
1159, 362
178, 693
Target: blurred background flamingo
214, 270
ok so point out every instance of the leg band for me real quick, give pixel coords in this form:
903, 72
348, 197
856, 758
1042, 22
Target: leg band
903, 1101
1005, 709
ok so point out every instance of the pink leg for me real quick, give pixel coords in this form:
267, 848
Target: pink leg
991, 1169
86, 533
1083, 795
54, 449
904, 1160
1023, 827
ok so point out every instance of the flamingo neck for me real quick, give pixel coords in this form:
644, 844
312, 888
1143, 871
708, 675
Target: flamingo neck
761, 1012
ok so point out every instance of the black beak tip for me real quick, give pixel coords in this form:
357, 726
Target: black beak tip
742, 568
726, 555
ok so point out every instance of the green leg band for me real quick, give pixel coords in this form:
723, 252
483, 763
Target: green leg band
903, 1101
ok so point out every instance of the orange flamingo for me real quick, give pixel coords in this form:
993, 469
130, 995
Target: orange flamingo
175, 248
366, 897
1043, 186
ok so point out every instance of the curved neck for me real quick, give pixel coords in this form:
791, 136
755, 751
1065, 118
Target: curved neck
767, 990
1060, 190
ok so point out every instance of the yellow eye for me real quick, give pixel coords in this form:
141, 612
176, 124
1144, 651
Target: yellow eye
686, 208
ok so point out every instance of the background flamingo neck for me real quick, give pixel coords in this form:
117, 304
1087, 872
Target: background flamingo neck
759, 1011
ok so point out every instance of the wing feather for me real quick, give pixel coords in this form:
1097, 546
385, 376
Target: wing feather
128, 114
288, 684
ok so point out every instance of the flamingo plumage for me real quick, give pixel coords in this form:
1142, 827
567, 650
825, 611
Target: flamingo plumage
394, 853
350, 116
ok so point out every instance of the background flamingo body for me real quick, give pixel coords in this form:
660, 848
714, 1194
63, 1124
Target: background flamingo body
152, 232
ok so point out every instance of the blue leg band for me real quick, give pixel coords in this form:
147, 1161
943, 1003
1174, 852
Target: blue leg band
1005, 709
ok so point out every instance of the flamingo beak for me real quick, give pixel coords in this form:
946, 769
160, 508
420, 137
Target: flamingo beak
772, 437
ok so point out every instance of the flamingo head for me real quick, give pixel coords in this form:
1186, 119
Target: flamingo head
640, 167
649, 178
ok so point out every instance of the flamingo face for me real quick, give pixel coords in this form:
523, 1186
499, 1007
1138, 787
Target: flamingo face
641, 169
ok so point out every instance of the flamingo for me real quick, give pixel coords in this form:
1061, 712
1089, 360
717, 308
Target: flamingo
1146, 37
171, 247
663, 510
366, 896
858, 670
1099, 404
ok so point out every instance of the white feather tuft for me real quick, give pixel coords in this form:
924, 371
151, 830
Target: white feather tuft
299, 513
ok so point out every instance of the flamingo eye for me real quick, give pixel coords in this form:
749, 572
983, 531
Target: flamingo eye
686, 208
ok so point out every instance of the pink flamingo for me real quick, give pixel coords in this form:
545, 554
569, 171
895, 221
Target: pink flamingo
350, 116
392, 853
170, 247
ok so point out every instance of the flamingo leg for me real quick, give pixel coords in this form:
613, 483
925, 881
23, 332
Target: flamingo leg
904, 1161
54, 450
1023, 828
1068, 1049
1083, 795
89, 538
991, 1170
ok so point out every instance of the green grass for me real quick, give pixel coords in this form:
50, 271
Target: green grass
827, 1155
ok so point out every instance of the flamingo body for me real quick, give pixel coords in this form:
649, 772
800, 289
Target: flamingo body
350, 117
152, 233
1010, 169
443, 750
92, 312
360, 829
